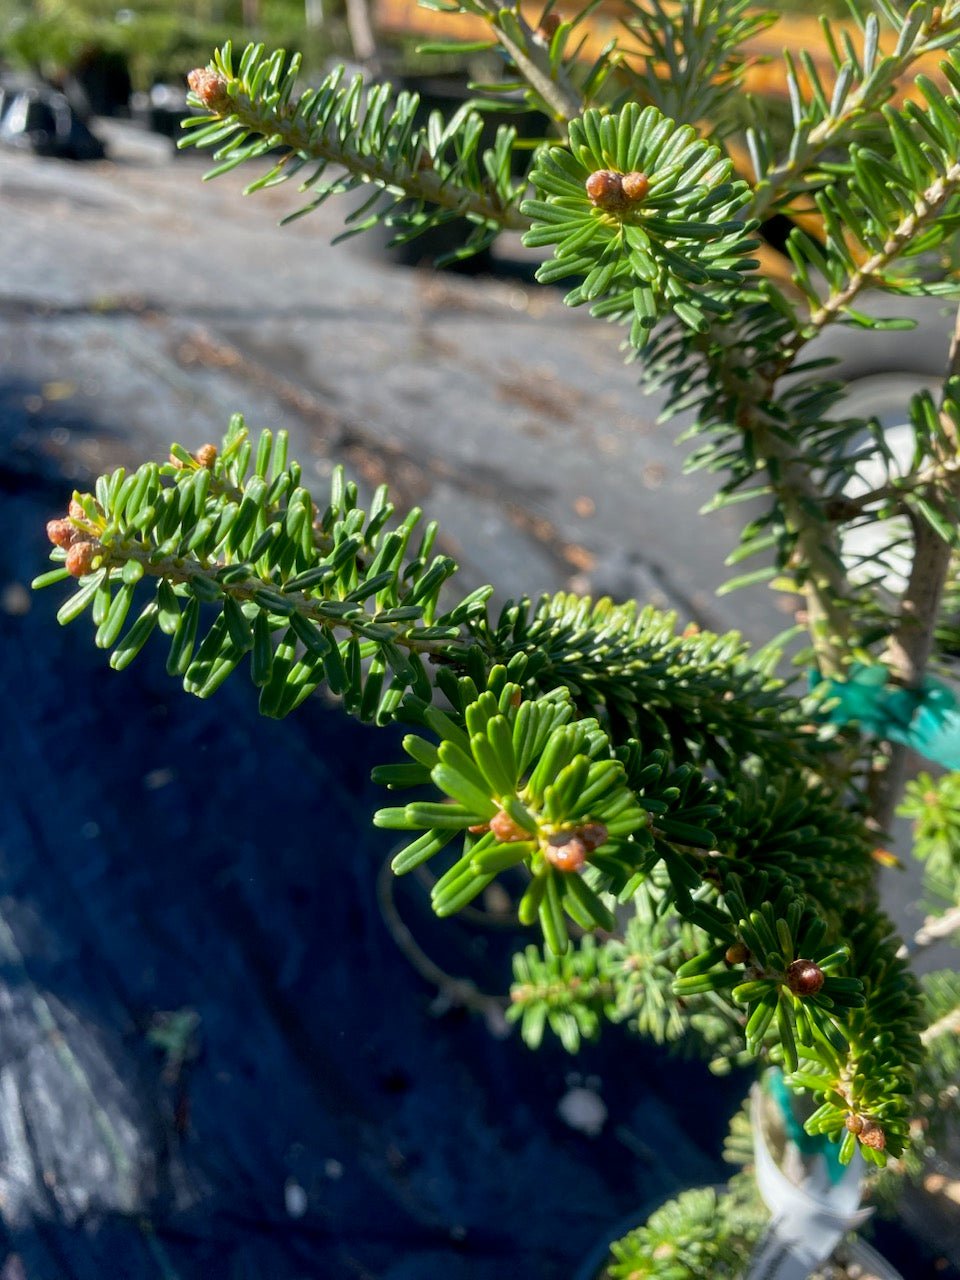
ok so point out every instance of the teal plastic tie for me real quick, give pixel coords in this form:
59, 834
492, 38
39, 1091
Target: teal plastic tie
926, 719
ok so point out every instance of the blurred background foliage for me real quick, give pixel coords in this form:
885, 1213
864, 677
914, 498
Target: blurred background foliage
159, 41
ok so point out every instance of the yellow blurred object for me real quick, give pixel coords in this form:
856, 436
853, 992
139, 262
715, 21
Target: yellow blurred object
58, 390
886, 859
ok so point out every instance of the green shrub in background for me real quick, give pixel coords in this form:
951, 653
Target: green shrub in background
693, 843
160, 40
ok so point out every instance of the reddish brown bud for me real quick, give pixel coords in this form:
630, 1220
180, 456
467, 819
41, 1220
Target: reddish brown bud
61, 533
853, 1123
593, 835
75, 510
605, 190
506, 830
479, 829
80, 558
804, 978
936, 17
210, 87
737, 953
566, 851
549, 26
206, 455
871, 1135
635, 186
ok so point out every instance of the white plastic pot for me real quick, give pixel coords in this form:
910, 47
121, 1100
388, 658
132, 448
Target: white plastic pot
810, 1212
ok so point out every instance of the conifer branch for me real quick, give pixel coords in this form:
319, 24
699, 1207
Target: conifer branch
949, 1024
926, 210
911, 644
370, 132
936, 927
780, 182
532, 59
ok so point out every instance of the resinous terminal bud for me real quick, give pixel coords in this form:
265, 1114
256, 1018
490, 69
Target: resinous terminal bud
506, 830
605, 190
566, 851
614, 192
804, 978
80, 558
635, 186
210, 87
206, 455
871, 1135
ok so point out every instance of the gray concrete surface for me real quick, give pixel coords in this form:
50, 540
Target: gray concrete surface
159, 305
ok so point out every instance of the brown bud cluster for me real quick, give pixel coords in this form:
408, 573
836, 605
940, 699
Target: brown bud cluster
206, 455
804, 978
615, 192
605, 189
80, 558
635, 186
506, 830
64, 533
568, 850
871, 1135
210, 87
853, 1123
80, 544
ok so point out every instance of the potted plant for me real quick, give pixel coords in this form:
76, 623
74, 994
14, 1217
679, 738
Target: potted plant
694, 843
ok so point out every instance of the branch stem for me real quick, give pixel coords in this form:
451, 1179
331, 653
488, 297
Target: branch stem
532, 60
177, 569
817, 546
936, 927
925, 211
950, 1022
428, 184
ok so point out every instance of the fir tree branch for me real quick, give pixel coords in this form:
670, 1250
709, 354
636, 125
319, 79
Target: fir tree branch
844, 509
455, 992
366, 131
262, 591
934, 928
910, 646
532, 60
948, 1024
825, 585
783, 180
924, 213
